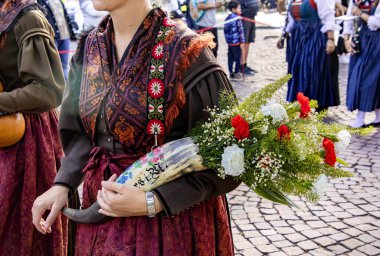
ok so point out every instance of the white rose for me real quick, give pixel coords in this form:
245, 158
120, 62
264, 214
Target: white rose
344, 138
276, 111
233, 160
320, 185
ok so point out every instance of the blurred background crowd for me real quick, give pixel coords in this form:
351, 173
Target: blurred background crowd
310, 31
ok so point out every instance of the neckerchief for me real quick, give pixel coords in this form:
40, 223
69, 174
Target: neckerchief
364, 5
296, 6
131, 91
9, 10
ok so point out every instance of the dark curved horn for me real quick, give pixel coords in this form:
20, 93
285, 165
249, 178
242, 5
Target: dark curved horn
87, 216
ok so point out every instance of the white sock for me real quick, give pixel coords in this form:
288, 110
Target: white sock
377, 118
359, 120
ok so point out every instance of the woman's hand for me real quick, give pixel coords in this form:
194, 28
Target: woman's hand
356, 11
330, 46
340, 9
280, 44
281, 41
349, 46
54, 200
118, 200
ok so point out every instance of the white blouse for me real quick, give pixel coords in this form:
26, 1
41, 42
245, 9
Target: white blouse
373, 21
326, 12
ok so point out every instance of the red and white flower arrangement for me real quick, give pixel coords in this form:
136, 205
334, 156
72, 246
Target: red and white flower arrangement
276, 148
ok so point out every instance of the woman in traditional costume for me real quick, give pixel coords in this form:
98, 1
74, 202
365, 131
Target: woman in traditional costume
311, 54
138, 76
31, 83
363, 90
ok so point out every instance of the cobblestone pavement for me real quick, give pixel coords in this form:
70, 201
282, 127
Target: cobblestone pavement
345, 222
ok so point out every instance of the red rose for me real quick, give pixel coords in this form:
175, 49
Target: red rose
283, 132
305, 105
241, 127
330, 157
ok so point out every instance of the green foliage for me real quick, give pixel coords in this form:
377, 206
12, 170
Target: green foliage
253, 103
275, 166
227, 99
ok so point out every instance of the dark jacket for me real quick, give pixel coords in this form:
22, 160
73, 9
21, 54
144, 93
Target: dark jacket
234, 32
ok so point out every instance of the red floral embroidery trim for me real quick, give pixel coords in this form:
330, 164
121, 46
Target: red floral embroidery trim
156, 85
156, 88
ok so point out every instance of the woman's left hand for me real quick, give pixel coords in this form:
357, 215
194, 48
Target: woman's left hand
356, 11
330, 46
119, 200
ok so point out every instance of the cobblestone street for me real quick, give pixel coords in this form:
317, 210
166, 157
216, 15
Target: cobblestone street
346, 221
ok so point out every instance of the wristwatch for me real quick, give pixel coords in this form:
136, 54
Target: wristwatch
150, 204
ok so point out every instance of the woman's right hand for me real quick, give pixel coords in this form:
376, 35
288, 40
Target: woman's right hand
54, 200
356, 11
280, 44
349, 46
340, 9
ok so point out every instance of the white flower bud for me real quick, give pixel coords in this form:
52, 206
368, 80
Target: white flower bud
344, 138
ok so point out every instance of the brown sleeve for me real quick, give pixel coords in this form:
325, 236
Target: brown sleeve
202, 87
39, 68
75, 143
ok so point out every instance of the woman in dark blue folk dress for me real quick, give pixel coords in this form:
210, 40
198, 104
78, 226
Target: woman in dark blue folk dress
311, 24
363, 90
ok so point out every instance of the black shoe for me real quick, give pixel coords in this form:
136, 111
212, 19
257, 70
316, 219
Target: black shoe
251, 69
238, 76
235, 76
247, 72
377, 124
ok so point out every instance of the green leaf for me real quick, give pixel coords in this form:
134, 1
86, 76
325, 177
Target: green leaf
341, 161
275, 196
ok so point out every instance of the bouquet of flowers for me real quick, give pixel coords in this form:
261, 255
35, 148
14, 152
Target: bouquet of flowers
276, 148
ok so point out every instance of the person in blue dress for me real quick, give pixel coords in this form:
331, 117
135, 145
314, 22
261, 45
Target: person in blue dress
363, 89
311, 51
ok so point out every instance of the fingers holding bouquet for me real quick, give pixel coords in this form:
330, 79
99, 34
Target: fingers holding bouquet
119, 200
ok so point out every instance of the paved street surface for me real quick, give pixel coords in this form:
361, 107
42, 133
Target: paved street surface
346, 221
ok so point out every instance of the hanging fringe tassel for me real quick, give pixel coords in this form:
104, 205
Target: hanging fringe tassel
188, 56
197, 44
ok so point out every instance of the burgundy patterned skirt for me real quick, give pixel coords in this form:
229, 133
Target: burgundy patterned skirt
201, 230
28, 169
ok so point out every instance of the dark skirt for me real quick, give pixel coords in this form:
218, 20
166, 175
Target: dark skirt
201, 230
313, 70
28, 169
363, 89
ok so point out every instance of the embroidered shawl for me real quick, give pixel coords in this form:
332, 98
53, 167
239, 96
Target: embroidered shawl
9, 10
121, 89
